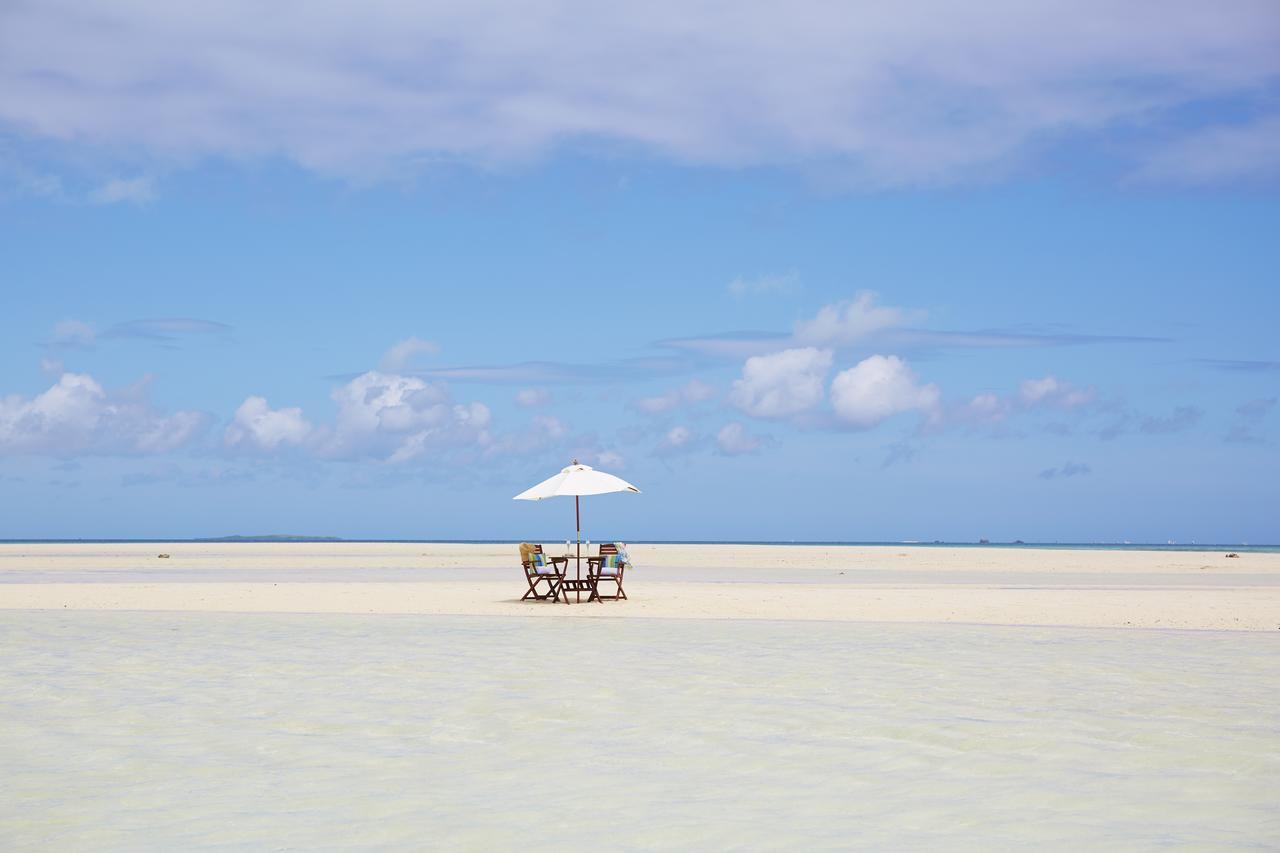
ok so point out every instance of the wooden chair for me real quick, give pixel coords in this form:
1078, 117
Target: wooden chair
598, 570
539, 568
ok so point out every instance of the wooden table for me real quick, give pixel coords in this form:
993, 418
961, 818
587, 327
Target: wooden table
577, 584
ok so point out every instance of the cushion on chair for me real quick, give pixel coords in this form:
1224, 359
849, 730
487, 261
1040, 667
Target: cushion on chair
609, 561
543, 565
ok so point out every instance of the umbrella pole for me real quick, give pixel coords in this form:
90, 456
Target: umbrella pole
577, 521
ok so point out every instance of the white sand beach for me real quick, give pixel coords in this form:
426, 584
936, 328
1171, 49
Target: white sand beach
883, 583
348, 695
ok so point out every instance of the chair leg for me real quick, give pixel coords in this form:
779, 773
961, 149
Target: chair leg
552, 591
618, 594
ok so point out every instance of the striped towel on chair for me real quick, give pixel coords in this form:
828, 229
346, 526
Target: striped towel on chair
623, 558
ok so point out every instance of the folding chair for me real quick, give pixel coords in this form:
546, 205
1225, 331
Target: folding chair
607, 566
539, 568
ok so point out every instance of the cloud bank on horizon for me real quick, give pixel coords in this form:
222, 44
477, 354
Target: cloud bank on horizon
922, 93
394, 416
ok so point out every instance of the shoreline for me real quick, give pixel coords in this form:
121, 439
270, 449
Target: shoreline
1115, 614
581, 615
143, 557
1167, 547
1189, 590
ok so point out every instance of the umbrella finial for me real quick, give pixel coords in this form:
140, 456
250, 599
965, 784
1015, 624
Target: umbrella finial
575, 462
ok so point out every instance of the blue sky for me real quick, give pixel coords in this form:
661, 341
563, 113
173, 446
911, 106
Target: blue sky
371, 275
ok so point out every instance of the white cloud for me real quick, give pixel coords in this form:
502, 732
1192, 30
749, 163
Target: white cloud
20, 180
886, 94
399, 418
256, 425
1048, 394
532, 398
1221, 154
782, 384
732, 345
607, 459
401, 354
381, 416
166, 328
678, 439
78, 416
846, 323
764, 284
689, 394
986, 408
878, 388
552, 426
1054, 392
77, 334
543, 433
733, 439
735, 345
73, 333
679, 436
135, 190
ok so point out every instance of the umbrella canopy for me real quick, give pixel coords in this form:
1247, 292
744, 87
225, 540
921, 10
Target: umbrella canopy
576, 480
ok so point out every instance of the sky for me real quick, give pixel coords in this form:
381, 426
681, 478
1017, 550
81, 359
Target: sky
828, 272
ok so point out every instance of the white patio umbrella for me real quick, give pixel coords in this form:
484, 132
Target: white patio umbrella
577, 480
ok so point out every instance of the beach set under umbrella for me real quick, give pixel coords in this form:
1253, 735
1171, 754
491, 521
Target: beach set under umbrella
579, 481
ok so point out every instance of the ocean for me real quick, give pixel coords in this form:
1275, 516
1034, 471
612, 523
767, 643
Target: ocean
1242, 547
171, 731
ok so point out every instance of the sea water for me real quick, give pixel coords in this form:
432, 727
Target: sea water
173, 731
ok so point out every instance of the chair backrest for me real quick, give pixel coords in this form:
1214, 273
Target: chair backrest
609, 549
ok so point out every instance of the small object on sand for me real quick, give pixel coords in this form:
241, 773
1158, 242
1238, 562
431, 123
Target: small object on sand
1233, 555
162, 556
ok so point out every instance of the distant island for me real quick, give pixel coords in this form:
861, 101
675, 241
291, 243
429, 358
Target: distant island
274, 537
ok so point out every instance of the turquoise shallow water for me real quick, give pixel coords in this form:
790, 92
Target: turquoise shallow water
171, 731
